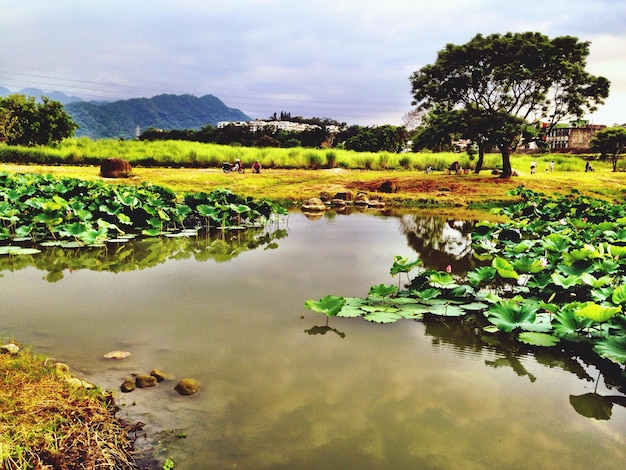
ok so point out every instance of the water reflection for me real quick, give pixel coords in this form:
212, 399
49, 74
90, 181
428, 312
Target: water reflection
279, 391
439, 242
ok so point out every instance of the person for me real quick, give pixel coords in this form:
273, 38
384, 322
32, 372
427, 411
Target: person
256, 168
533, 167
237, 165
454, 167
588, 167
552, 166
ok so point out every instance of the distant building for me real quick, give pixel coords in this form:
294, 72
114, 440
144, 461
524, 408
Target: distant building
575, 135
288, 126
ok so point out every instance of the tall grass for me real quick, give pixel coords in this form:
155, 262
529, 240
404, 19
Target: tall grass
84, 151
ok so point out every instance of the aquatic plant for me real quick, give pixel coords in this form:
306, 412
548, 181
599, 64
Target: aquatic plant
555, 272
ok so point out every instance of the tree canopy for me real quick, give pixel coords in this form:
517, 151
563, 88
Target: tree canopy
500, 85
26, 122
610, 143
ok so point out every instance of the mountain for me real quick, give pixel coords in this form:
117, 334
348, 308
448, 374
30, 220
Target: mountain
37, 93
120, 119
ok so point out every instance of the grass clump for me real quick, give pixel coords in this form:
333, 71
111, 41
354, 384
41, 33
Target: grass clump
49, 419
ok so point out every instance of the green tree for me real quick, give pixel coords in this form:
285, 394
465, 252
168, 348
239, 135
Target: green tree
516, 78
609, 142
25, 122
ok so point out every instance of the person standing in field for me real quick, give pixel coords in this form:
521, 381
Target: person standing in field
533, 167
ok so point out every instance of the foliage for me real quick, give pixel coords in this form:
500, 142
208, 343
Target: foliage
554, 272
41, 208
511, 80
26, 122
610, 143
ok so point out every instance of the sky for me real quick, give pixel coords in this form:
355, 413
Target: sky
348, 60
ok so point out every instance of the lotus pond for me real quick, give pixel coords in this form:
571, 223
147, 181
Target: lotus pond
285, 387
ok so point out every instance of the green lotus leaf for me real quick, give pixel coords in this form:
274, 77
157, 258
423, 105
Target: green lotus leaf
566, 322
538, 339
597, 313
619, 295
522, 247
381, 290
379, 308
491, 329
592, 405
565, 281
414, 310
539, 281
607, 266
18, 250
446, 310
429, 293
555, 242
352, 307
504, 268
382, 317
442, 279
510, 314
613, 348
151, 232
594, 282
616, 251
474, 306
330, 305
528, 265
124, 219
480, 275
588, 252
401, 265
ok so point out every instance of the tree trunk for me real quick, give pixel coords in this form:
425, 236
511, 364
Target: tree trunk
505, 150
481, 158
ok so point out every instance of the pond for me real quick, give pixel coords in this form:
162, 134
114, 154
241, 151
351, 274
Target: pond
278, 390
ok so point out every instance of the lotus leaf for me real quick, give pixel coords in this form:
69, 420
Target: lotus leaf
588, 252
401, 265
528, 265
382, 317
381, 290
352, 307
330, 305
613, 348
565, 281
619, 295
504, 268
566, 322
446, 310
538, 339
556, 242
481, 274
508, 315
597, 313
443, 280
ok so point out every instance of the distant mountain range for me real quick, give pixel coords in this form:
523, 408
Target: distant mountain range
120, 119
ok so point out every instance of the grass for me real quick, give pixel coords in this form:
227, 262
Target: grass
48, 422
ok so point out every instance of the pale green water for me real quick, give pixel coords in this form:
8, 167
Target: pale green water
399, 396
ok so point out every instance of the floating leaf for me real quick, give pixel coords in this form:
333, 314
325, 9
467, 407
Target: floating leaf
442, 279
330, 305
401, 265
382, 317
381, 290
538, 339
508, 315
481, 274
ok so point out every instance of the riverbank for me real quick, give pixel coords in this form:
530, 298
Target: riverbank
51, 419
397, 188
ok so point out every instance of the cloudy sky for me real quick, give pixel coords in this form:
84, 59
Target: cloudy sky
349, 60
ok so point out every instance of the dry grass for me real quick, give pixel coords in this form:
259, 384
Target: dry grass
413, 188
48, 423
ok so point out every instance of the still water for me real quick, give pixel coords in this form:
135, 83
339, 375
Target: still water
276, 395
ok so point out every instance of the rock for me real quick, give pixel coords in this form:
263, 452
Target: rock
376, 203
79, 383
159, 375
128, 385
117, 355
187, 386
10, 348
361, 199
314, 204
346, 196
338, 203
325, 196
388, 187
115, 168
145, 381
61, 369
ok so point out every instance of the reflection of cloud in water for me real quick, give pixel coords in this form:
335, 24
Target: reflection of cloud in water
439, 242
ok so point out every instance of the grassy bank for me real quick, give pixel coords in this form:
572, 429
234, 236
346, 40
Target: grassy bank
50, 419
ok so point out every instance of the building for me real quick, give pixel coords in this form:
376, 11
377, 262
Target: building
573, 135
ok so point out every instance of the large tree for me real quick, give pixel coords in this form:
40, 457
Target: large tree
23, 121
506, 82
610, 143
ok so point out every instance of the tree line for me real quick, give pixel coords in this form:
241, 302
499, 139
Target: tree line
322, 134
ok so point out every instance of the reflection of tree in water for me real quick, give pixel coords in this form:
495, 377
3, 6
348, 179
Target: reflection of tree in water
440, 242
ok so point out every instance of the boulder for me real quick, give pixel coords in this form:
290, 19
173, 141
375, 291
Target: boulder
128, 385
144, 381
115, 168
158, 374
10, 348
361, 199
313, 204
187, 386
388, 187
346, 196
